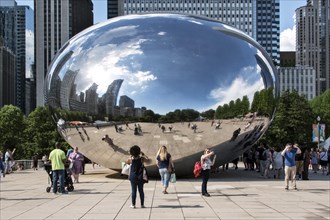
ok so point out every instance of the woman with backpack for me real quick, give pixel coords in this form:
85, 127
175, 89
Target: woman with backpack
206, 163
136, 160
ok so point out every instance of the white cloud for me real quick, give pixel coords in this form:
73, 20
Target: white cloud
244, 84
237, 89
29, 52
288, 38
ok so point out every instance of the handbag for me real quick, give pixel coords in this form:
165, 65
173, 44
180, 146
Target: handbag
145, 175
71, 165
173, 178
126, 169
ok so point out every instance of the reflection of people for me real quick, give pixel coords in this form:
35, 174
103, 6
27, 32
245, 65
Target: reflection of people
136, 160
165, 166
58, 159
289, 154
107, 139
235, 134
206, 167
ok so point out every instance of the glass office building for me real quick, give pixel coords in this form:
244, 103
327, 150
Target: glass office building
56, 22
257, 18
15, 22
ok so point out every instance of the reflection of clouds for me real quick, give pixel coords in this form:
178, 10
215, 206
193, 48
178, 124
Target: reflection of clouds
29, 35
162, 33
247, 83
107, 62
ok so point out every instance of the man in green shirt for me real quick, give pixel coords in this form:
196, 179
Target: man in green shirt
58, 159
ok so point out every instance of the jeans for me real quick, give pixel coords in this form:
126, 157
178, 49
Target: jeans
7, 166
164, 176
205, 178
58, 175
134, 187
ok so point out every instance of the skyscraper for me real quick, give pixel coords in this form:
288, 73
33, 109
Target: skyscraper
16, 21
313, 40
268, 27
258, 18
7, 75
56, 22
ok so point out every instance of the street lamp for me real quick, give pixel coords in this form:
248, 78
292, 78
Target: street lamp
318, 131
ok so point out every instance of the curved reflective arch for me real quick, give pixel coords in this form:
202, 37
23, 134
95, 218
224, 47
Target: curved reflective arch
181, 81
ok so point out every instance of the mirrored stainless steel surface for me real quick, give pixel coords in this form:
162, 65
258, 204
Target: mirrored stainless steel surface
161, 79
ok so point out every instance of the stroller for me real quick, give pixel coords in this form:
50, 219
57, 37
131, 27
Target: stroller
68, 184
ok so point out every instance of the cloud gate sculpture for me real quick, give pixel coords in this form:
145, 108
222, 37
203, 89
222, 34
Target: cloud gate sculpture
181, 81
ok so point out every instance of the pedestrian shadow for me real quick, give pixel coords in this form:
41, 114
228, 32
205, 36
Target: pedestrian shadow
24, 199
231, 195
178, 206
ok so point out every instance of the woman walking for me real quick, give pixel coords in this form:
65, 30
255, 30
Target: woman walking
136, 160
77, 160
206, 167
165, 166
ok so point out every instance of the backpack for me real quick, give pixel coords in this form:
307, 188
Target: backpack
264, 155
197, 168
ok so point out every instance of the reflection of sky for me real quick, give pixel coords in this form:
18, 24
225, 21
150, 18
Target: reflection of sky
166, 64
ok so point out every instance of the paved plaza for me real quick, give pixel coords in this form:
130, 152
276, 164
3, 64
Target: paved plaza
103, 194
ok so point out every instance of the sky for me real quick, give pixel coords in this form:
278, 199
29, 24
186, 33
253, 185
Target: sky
287, 10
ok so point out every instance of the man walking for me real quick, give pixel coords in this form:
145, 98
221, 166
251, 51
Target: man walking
289, 154
58, 159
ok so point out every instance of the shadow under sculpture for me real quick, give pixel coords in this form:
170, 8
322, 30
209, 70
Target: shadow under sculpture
147, 79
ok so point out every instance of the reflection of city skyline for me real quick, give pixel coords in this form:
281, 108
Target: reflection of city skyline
88, 101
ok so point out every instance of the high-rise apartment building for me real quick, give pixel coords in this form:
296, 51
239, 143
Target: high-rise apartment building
258, 18
313, 40
56, 22
15, 23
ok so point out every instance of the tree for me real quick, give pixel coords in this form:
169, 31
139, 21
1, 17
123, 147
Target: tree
11, 128
209, 114
321, 107
245, 104
292, 122
40, 133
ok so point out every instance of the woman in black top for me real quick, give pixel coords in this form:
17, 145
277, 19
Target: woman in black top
136, 160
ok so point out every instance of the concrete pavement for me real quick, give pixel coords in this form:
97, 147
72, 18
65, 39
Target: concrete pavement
103, 194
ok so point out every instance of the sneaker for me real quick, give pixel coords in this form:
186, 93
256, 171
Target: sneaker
142, 206
133, 206
64, 192
206, 195
286, 188
295, 188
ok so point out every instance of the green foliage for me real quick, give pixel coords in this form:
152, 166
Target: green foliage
321, 107
293, 121
233, 109
263, 102
40, 133
12, 125
209, 114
